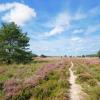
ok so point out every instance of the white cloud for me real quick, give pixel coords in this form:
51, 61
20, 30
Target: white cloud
76, 39
63, 21
59, 24
79, 45
67, 45
17, 12
55, 30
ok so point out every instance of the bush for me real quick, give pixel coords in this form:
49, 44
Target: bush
1, 85
92, 82
95, 93
43, 56
80, 70
84, 77
24, 95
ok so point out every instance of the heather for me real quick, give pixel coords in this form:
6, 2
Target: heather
88, 75
45, 77
48, 79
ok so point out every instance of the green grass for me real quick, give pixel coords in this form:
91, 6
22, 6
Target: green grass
19, 71
95, 71
55, 86
88, 76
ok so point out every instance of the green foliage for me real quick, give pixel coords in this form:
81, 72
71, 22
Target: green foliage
1, 85
24, 95
98, 53
84, 77
95, 93
43, 56
88, 77
92, 55
54, 86
34, 55
13, 44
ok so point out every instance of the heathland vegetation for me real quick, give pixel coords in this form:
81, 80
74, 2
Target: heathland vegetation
88, 76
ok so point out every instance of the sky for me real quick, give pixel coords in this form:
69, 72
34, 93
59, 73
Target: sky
56, 27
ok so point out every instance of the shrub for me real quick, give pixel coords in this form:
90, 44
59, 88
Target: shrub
1, 85
80, 70
92, 82
24, 95
84, 77
95, 93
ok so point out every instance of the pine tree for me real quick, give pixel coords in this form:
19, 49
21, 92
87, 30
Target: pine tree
13, 44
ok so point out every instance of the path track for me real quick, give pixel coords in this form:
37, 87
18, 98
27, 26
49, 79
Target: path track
75, 90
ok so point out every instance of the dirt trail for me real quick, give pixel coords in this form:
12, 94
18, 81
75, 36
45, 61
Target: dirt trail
75, 90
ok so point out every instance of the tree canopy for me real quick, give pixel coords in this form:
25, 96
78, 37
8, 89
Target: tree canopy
99, 53
14, 44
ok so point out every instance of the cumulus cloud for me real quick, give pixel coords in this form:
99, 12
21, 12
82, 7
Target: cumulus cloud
17, 12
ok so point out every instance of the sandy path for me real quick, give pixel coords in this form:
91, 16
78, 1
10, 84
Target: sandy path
75, 89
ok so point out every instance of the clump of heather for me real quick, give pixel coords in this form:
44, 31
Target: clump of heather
40, 74
91, 61
12, 87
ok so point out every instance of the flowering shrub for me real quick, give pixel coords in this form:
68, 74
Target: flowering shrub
91, 61
13, 87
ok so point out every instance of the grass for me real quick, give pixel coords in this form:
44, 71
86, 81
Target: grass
88, 75
54, 86
19, 71
47, 79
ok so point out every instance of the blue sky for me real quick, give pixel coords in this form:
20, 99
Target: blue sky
56, 27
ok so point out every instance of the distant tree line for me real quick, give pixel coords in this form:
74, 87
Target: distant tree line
92, 55
14, 44
98, 53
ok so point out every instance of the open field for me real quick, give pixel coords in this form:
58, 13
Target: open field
51, 79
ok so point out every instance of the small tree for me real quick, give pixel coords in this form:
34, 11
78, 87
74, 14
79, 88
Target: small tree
98, 54
13, 44
43, 56
83, 56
